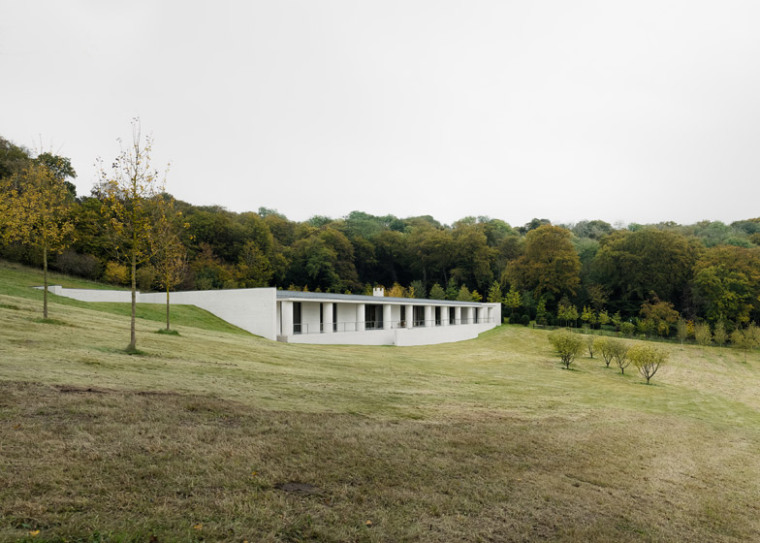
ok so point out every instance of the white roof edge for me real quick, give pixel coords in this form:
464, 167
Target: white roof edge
298, 296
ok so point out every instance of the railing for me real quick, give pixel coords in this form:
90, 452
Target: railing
370, 326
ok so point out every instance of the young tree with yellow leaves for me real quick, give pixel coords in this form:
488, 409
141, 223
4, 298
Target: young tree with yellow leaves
35, 206
128, 193
170, 255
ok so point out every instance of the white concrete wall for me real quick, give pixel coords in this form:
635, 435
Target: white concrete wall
368, 337
90, 295
310, 318
395, 315
254, 310
403, 337
431, 335
346, 318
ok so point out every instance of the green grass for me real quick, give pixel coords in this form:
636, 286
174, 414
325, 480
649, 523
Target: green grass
203, 436
17, 280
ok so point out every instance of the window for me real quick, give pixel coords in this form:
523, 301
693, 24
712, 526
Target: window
419, 315
297, 326
373, 316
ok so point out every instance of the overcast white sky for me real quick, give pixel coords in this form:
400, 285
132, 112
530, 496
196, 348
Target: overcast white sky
637, 111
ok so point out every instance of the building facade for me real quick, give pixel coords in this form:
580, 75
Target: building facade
325, 318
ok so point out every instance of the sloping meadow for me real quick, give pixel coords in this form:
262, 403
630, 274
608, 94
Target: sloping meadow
215, 435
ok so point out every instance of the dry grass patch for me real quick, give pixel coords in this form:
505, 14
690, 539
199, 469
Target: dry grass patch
134, 465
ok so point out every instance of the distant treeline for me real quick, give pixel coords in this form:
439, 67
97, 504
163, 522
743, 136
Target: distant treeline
589, 272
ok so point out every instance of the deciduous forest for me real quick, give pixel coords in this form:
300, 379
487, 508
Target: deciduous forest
661, 279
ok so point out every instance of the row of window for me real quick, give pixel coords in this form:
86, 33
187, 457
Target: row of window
373, 318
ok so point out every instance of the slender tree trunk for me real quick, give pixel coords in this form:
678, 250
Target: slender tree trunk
45, 281
167, 305
132, 336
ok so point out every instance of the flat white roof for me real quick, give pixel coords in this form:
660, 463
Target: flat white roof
300, 296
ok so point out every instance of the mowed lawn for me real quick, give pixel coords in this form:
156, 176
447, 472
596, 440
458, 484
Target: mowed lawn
216, 435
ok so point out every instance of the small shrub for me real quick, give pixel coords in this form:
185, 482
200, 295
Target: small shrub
72, 263
567, 345
702, 334
591, 346
116, 273
627, 329
748, 338
525, 319
145, 277
682, 330
603, 345
620, 354
719, 334
647, 358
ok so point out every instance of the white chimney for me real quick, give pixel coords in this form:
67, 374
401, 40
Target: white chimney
378, 291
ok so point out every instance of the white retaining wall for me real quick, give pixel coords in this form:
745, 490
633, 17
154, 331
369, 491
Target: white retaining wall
430, 335
253, 310
402, 337
90, 295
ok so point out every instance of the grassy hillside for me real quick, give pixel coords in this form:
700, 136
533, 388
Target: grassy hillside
216, 435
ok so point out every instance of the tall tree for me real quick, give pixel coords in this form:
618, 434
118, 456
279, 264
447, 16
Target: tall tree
430, 252
549, 263
727, 282
473, 255
649, 260
61, 169
127, 192
12, 158
494, 293
38, 214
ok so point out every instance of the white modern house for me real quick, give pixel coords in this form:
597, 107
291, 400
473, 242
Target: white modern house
324, 318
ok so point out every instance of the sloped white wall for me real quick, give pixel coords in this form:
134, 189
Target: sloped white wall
254, 310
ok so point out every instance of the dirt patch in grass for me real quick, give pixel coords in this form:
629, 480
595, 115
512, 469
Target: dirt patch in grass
69, 389
134, 465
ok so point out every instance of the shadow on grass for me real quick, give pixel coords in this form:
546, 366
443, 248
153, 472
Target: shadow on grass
126, 350
651, 383
56, 322
167, 332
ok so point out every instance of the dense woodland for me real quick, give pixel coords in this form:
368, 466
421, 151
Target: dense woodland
663, 279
